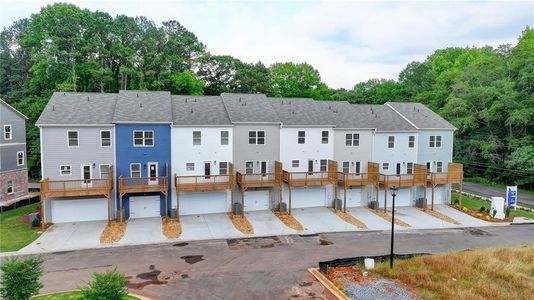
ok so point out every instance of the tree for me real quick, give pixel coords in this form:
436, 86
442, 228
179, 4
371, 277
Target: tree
252, 78
186, 83
522, 160
294, 80
218, 72
20, 278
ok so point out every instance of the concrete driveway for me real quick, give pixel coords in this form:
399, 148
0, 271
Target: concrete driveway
420, 220
68, 236
143, 231
321, 219
464, 219
265, 223
209, 226
370, 219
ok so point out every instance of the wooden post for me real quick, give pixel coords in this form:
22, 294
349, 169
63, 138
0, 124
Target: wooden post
289, 204
120, 207
377, 196
385, 198
177, 204
166, 204
109, 207
460, 196
344, 197
243, 201
432, 204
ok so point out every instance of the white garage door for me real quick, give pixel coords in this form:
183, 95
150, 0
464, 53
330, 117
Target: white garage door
203, 203
307, 197
256, 200
78, 210
403, 198
144, 206
354, 197
439, 195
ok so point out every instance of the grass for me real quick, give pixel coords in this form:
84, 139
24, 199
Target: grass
15, 234
475, 204
480, 274
70, 295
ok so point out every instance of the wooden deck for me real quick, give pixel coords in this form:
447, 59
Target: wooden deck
75, 188
257, 180
402, 180
357, 179
454, 174
202, 183
143, 184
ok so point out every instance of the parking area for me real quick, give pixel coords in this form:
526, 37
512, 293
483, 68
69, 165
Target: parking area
321, 219
208, 226
143, 231
419, 219
265, 223
370, 219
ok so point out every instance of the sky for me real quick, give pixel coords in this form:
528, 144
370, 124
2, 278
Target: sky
347, 41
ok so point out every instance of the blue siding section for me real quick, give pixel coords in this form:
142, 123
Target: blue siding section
128, 154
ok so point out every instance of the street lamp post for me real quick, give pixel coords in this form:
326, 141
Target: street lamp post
394, 191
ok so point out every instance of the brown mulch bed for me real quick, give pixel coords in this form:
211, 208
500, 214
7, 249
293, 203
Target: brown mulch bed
113, 232
386, 216
343, 275
241, 223
171, 228
439, 215
288, 220
485, 216
349, 219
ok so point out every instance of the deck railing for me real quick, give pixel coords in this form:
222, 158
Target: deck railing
309, 178
71, 188
142, 184
403, 180
204, 183
258, 180
445, 177
357, 179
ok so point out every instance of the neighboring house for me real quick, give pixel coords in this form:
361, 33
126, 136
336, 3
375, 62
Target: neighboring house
77, 157
143, 153
202, 158
13, 170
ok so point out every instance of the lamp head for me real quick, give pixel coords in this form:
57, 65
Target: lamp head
394, 190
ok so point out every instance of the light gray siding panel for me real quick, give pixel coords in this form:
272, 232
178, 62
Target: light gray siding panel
9, 148
444, 153
362, 153
243, 151
8, 157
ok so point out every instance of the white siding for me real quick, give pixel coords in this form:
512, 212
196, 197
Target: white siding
313, 148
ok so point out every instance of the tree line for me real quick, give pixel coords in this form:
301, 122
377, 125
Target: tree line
486, 92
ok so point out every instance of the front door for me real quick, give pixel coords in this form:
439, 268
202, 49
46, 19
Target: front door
264, 168
207, 170
87, 174
152, 173
310, 167
398, 168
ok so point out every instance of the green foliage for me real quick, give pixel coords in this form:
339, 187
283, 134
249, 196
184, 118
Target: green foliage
186, 83
297, 80
21, 278
110, 285
507, 212
482, 208
36, 222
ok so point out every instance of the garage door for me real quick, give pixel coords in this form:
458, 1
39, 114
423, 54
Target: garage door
144, 206
308, 197
203, 203
403, 198
78, 210
439, 195
354, 197
256, 200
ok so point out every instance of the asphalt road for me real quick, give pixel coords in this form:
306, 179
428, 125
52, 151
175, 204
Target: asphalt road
490, 191
261, 268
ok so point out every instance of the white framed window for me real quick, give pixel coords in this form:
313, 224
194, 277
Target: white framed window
20, 158
346, 167
197, 138
439, 166
190, 167
385, 166
358, 166
391, 141
135, 170
302, 137
295, 163
411, 141
143, 138
256, 137
224, 137
10, 187
323, 165
105, 138
409, 167
249, 167
223, 168
65, 170
434, 141
72, 138
352, 139
438, 141
8, 134
324, 137
104, 171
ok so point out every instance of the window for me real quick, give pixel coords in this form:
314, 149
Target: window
20, 158
438, 141
346, 167
409, 168
135, 170
256, 137
105, 138
428, 166
10, 188
295, 163
391, 141
143, 138
439, 166
411, 141
7, 132
72, 138
352, 139
358, 167
302, 137
224, 137
324, 165
325, 137
104, 171
434, 141
197, 138
64, 170
223, 168
249, 167
190, 166
385, 166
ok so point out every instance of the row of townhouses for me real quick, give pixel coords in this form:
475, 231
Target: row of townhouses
142, 154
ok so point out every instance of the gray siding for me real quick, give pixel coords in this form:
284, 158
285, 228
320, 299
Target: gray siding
444, 153
8, 157
243, 151
9, 148
362, 153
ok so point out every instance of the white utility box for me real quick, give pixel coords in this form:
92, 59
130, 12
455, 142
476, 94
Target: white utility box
497, 204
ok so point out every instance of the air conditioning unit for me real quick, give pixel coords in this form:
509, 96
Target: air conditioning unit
236, 208
372, 204
419, 202
282, 207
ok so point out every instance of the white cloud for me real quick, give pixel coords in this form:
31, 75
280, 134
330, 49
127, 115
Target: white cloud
347, 41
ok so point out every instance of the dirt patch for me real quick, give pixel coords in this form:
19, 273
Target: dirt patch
349, 219
386, 216
192, 259
180, 244
241, 223
288, 220
184, 276
344, 275
253, 243
149, 278
113, 232
440, 216
152, 275
325, 242
476, 232
171, 228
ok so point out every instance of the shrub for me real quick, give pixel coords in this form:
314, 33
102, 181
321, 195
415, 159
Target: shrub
493, 213
482, 208
36, 222
20, 278
110, 285
507, 212
456, 201
464, 209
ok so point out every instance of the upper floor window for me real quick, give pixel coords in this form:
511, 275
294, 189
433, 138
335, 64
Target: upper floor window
434, 141
104, 171
249, 167
439, 166
65, 170
411, 141
197, 138
143, 138
223, 168
256, 137
346, 167
20, 158
391, 141
295, 163
352, 139
7, 132
72, 138
358, 166
385, 166
135, 170
324, 165
302, 137
10, 187
105, 138
325, 137
190, 166
224, 137
409, 167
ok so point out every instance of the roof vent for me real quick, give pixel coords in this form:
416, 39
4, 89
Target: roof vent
191, 110
293, 112
185, 100
64, 94
418, 110
289, 101
376, 116
372, 111
282, 102
141, 105
137, 95
245, 103
87, 98
239, 99
53, 107
329, 106
195, 99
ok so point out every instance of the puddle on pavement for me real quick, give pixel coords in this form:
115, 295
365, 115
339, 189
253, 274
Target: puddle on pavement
477, 232
309, 235
325, 242
184, 276
192, 259
149, 278
253, 243
180, 244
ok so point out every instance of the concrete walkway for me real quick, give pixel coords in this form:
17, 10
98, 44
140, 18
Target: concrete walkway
464, 219
321, 219
265, 223
143, 231
420, 220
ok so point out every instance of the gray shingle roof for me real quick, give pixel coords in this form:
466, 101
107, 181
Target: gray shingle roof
301, 111
78, 109
249, 108
199, 110
143, 106
383, 118
421, 116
